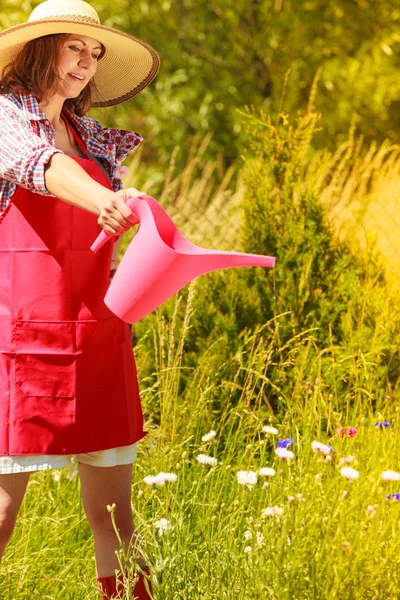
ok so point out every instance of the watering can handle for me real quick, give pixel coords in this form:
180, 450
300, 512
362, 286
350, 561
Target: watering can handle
103, 236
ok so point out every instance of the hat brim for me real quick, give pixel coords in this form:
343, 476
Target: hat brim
127, 67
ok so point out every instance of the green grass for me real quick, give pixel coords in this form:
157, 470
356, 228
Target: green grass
329, 545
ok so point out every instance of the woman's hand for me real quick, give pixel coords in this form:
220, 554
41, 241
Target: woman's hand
116, 217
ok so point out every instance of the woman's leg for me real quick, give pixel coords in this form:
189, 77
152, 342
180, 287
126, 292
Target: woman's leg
12, 490
102, 486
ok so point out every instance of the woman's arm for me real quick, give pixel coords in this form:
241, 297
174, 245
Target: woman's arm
66, 180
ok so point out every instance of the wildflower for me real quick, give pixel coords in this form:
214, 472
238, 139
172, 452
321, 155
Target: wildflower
346, 460
283, 453
209, 436
163, 525
300, 497
345, 546
265, 485
325, 520
56, 476
271, 430
160, 479
272, 511
394, 497
285, 443
349, 473
248, 534
321, 448
260, 539
171, 477
308, 384
328, 458
390, 476
248, 478
382, 424
266, 472
371, 511
111, 508
388, 397
345, 493
291, 499
206, 460
350, 431
247, 549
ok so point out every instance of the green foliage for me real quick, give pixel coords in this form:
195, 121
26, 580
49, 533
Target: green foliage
325, 293
217, 56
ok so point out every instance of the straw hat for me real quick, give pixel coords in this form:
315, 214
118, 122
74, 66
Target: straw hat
127, 67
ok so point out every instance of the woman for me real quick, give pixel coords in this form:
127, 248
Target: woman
68, 386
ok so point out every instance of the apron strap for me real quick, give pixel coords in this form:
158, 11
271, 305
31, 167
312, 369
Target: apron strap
75, 135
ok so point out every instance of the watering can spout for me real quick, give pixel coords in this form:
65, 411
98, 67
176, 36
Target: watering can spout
160, 261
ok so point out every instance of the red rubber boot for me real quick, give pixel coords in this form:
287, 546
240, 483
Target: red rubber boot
111, 588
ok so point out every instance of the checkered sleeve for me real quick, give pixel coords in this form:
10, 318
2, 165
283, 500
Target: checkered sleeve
23, 154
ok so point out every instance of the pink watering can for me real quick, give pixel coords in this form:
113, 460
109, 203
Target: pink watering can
160, 261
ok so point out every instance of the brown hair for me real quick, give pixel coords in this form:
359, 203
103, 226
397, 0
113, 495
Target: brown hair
35, 70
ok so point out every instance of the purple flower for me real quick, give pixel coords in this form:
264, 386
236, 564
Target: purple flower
394, 497
308, 384
382, 424
285, 443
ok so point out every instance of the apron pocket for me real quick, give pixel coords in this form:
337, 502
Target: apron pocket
45, 359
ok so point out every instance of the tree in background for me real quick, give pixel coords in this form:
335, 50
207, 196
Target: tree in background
221, 55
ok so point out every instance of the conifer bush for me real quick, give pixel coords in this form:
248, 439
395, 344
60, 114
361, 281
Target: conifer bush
326, 300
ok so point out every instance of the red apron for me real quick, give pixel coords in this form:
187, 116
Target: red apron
68, 380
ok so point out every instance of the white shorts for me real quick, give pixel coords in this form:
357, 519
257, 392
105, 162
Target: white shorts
26, 463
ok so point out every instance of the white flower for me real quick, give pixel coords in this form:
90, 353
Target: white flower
151, 480
266, 472
346, 460
349, 473
248, 478
160, 479
390, 476
272, 511
271, 430
284, 453
208, 436
260, 539
171, 477
300, 497
321, 448
163, 525
247, 534
247, 549
207, 460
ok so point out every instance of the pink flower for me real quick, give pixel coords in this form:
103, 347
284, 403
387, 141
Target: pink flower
350, 431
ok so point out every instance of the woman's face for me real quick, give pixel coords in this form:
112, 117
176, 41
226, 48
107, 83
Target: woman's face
77, 64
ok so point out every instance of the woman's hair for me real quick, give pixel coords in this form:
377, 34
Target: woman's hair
35, 70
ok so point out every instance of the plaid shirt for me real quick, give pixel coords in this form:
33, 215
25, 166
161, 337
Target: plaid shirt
27, 142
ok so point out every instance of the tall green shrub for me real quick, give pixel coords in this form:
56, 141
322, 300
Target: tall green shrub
321, 283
